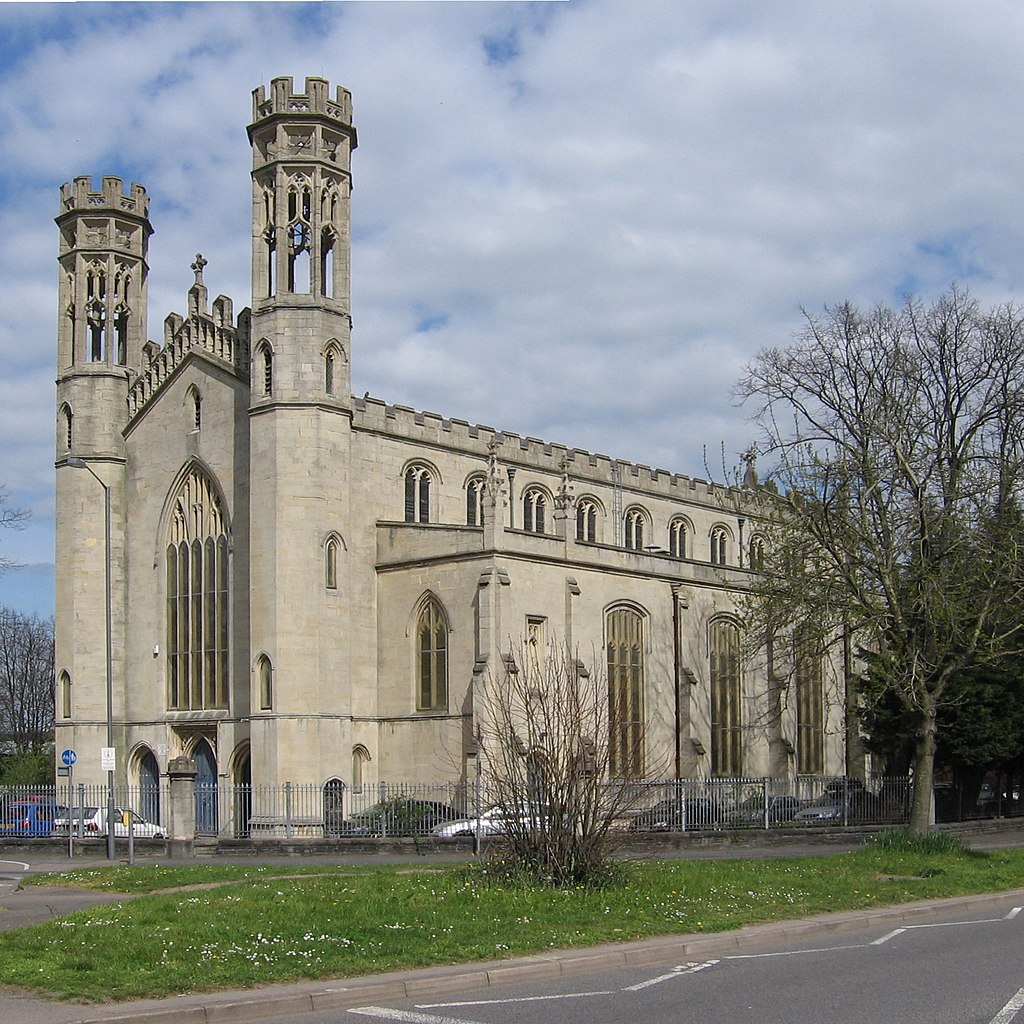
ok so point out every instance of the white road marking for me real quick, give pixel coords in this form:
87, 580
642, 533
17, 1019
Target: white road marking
1009, 1011
676, 972
1005, 1016
404, 1015
19, 863
520, 999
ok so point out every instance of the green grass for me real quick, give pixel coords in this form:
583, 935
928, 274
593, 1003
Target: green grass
263, 925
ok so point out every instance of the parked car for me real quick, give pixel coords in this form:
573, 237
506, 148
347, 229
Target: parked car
93, 823
844, 800
401, 816
752, 810
28, 818
497, 820
678, 814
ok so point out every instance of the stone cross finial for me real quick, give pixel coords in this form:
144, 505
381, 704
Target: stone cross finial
198, 267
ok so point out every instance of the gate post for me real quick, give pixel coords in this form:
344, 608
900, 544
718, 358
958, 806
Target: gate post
181, 776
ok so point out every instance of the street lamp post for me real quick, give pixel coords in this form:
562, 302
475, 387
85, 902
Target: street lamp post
108, 602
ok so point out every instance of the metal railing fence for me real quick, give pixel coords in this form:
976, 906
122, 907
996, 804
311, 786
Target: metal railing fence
334, 810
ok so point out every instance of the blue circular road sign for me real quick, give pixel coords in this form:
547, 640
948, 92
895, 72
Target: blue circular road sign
68, 758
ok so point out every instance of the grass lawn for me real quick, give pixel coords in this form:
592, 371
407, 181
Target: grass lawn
236, 926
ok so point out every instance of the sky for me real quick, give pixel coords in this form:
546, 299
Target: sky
576, 220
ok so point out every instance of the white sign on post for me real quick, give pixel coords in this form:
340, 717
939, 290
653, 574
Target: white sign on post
107, 759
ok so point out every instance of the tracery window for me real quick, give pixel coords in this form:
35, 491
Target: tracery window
634, 522
677, 532
586, 520
726, 718
535, 505
417, 494
625, 654
198, 562
432, 657
719, 546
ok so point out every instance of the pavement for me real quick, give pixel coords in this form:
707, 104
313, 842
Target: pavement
24, 905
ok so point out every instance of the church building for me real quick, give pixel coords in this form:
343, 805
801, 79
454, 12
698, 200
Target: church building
311, 587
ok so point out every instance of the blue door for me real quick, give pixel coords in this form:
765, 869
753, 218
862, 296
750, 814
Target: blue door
206, 789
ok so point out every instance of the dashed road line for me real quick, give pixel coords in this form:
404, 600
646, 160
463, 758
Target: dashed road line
1007, 1014
517, 999
405, 1015
1010, 1010
676, 972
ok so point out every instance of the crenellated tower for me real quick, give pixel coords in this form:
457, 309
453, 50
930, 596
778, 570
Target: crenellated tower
300, 425
104, 241
101, 328
301, 183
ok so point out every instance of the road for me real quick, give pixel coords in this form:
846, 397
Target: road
966, 968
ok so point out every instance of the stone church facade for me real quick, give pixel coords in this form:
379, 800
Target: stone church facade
309, 586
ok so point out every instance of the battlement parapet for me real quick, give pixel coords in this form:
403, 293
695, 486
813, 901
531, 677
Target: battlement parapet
214, 335
78, 195
529, 453
316, 100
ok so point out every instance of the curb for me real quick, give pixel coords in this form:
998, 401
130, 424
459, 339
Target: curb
231, 1007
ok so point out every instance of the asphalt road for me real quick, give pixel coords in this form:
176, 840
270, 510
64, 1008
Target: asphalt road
960, 967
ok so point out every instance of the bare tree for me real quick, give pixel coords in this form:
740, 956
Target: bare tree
12, 518
545, 754
26, 682
893, 507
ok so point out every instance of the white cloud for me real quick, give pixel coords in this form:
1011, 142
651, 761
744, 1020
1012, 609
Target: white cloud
603, 209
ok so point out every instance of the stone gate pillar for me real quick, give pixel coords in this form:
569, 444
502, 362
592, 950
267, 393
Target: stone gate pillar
181, 775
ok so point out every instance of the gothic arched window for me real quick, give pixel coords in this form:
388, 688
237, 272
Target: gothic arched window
417, 494
634, 522
431, 657
719, 546
535, 504
331, 549
475, 501
625, 651
265, 682
677, 532
810, 724
197, 574
586, 520
726, 717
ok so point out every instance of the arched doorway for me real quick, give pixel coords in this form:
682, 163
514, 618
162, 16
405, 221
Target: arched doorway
242, 777
206, 788
149, 787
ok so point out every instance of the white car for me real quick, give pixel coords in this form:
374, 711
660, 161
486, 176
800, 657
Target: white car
495, 821
91, 821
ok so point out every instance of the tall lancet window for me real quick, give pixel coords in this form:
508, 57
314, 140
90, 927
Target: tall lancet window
197, 572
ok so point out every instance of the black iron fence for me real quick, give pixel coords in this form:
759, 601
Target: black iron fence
296, 810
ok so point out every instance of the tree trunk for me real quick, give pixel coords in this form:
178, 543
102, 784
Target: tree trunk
924, 771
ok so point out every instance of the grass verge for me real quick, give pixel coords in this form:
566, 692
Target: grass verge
250, 926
